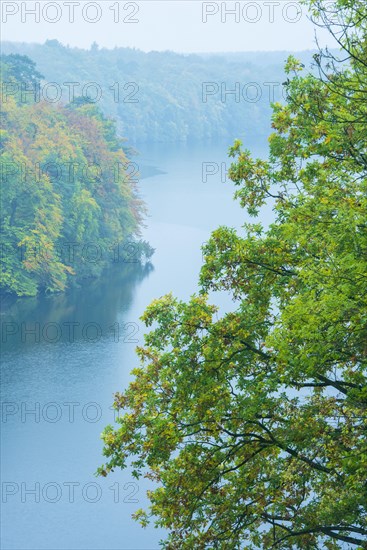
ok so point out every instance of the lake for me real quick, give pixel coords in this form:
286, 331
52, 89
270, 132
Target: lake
58, 381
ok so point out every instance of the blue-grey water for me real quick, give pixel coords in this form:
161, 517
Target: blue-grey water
58, 382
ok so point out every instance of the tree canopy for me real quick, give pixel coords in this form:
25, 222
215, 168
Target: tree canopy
253, 423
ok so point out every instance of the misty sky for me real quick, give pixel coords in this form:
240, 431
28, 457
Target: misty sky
179, 25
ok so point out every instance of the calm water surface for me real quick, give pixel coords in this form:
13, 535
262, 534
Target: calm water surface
50, 497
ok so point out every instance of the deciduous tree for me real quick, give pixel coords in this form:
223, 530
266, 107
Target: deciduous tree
253, 423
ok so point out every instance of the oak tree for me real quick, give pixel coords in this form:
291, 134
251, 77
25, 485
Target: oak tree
252, 423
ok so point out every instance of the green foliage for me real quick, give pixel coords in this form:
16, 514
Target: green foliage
64, 186
254, 422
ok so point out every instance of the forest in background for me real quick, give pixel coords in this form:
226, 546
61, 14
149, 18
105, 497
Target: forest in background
166, 96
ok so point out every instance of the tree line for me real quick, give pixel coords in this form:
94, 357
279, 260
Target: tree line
166, 96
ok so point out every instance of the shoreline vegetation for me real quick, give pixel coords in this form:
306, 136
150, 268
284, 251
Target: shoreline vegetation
68, 192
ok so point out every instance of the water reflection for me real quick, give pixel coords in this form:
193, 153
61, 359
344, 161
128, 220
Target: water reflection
87, 313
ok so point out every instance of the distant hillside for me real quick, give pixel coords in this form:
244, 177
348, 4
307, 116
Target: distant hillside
164, 96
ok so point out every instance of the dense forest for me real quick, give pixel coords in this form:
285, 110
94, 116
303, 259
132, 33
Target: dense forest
69, 206
165, 96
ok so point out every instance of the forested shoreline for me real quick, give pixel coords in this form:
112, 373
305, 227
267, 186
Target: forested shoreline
70, 207
70, 204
